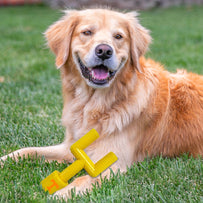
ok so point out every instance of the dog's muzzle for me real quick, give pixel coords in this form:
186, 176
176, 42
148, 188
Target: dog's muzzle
98, 75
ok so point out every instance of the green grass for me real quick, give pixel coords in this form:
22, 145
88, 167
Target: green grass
31, 106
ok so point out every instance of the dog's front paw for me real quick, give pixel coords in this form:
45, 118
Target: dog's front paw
2, 160
78, 186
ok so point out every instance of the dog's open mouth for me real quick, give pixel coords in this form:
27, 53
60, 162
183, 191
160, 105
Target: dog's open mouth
99, 75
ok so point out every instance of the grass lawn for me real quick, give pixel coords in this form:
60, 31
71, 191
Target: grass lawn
31, 106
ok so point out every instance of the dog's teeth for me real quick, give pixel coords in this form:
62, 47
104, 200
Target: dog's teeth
92, 74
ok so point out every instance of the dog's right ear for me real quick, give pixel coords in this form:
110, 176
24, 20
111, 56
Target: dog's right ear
59, 37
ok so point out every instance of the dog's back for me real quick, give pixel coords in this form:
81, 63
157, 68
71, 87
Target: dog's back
186, 113
177, 118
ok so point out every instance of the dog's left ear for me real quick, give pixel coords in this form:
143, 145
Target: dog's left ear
59, 37
139, 39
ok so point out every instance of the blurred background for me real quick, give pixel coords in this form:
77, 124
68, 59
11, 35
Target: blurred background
121, 4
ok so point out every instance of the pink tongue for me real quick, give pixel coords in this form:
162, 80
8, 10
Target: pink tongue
100, 73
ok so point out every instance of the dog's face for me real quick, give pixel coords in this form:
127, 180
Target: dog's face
100, 41
100, 47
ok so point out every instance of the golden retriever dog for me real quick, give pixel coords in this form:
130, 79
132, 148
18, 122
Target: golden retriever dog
139, 109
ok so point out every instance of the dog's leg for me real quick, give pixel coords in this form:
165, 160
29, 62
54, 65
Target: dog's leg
59, 152
79, 185
84, 183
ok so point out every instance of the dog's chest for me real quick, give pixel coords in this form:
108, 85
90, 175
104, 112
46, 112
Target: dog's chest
82, 115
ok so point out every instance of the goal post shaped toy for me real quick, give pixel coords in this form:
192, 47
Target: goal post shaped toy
58, 180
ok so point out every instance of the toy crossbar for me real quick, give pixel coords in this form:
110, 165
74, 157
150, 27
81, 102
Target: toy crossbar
57, 180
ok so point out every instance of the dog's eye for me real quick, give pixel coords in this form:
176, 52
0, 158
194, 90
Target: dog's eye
118, 36
87, 33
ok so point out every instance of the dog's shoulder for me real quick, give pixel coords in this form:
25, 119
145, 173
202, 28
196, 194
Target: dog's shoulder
186, 93
185, 82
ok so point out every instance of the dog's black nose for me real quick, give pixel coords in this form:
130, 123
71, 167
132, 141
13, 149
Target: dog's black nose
103, 51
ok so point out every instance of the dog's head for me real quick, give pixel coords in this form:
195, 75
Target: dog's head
100, 41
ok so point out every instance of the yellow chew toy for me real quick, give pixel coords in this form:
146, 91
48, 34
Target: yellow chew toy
56, 180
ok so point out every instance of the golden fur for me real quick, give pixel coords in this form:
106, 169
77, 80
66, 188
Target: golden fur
144, 111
